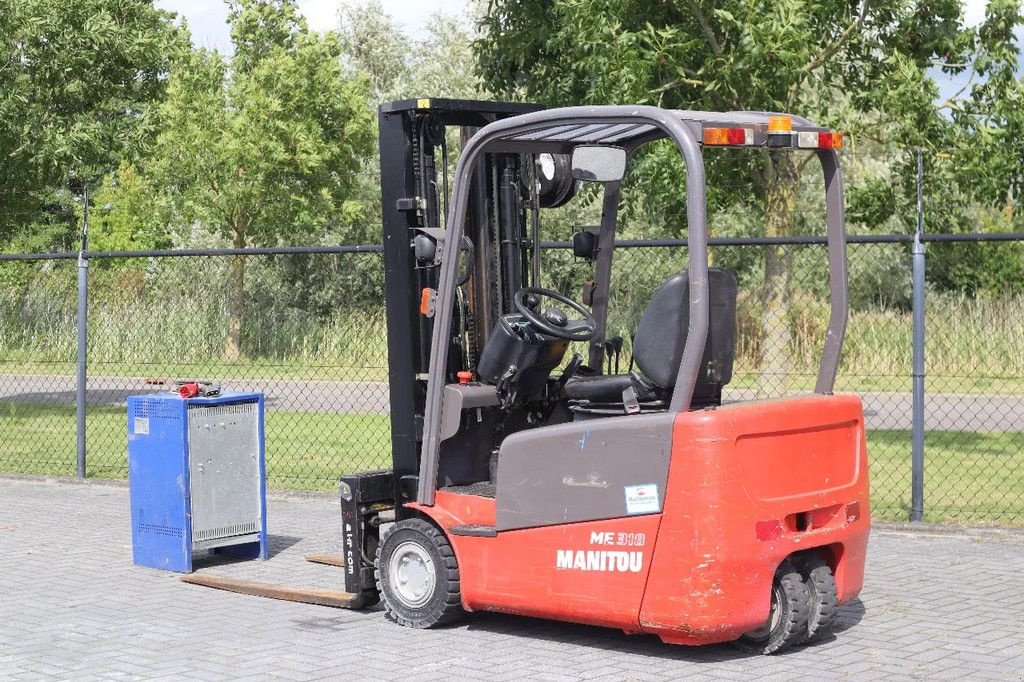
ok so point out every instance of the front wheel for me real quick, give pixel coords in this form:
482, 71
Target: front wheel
787, 619
417, 576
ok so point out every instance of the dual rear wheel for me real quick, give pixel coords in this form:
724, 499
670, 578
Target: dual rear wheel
804, 604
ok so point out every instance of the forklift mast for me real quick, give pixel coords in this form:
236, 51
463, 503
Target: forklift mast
496, 248
414, 194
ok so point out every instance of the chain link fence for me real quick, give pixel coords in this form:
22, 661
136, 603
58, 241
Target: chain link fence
308, 330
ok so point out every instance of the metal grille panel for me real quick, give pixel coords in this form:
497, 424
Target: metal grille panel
224, 470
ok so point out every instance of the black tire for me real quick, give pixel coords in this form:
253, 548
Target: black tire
417, 576
787, 620
824, 600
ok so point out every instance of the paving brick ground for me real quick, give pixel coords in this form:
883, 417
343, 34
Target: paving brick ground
935, 606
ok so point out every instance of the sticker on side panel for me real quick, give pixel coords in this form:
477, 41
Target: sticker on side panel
141, 426
642, 499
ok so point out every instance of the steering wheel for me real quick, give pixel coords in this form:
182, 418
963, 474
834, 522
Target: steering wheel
554, 322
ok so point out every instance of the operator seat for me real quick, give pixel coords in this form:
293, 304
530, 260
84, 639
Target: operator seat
658, 350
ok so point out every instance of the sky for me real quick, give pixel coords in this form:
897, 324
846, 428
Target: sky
207, 18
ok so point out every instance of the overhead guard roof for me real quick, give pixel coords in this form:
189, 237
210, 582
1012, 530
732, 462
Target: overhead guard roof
557, 133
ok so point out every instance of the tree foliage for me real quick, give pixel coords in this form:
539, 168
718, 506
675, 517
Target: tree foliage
373, 45
79, 84
863, 67
264, 147
400, 67
128, 215
989, 112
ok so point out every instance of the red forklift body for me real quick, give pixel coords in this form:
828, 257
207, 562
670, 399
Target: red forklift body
744, 491
526, 481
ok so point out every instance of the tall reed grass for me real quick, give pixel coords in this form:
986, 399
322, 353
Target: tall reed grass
164, 313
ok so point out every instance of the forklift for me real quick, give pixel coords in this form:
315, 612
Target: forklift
527, 483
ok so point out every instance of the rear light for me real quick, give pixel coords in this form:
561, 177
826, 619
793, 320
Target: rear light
769, 530
807, 140
852, 512
729, 136
826, 140
830, 140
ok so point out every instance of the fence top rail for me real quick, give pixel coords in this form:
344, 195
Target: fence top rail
178, 253
809, 239
622, 243
746, 241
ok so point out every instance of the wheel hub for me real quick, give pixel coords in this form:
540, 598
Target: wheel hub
413, 574
772, 621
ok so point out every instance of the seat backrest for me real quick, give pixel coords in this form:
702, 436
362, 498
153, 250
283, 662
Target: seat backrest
661, 334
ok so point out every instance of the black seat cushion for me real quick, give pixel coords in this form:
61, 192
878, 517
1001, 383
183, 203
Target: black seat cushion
607, 388
658, 348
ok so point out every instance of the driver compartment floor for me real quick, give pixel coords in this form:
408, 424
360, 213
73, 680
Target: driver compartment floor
481, 489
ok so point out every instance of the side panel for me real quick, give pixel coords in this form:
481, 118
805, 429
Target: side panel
749, 485
583, 471
590, 573
159, 483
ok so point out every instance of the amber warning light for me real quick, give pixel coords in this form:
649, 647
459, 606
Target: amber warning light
780, 124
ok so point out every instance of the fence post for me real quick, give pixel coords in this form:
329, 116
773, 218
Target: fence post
917, 426
83, 322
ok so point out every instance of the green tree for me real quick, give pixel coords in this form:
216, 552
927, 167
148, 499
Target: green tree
989, 114
373, 45
863, 67
443, 64
79, 83
399, 67
264, 147
128, 214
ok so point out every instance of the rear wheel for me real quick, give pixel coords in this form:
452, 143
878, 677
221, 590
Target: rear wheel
824, 600
787, 619
417, 576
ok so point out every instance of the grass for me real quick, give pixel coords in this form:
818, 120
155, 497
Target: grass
970, 477
255, 370
305, 450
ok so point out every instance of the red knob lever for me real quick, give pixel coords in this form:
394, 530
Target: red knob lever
464, 377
